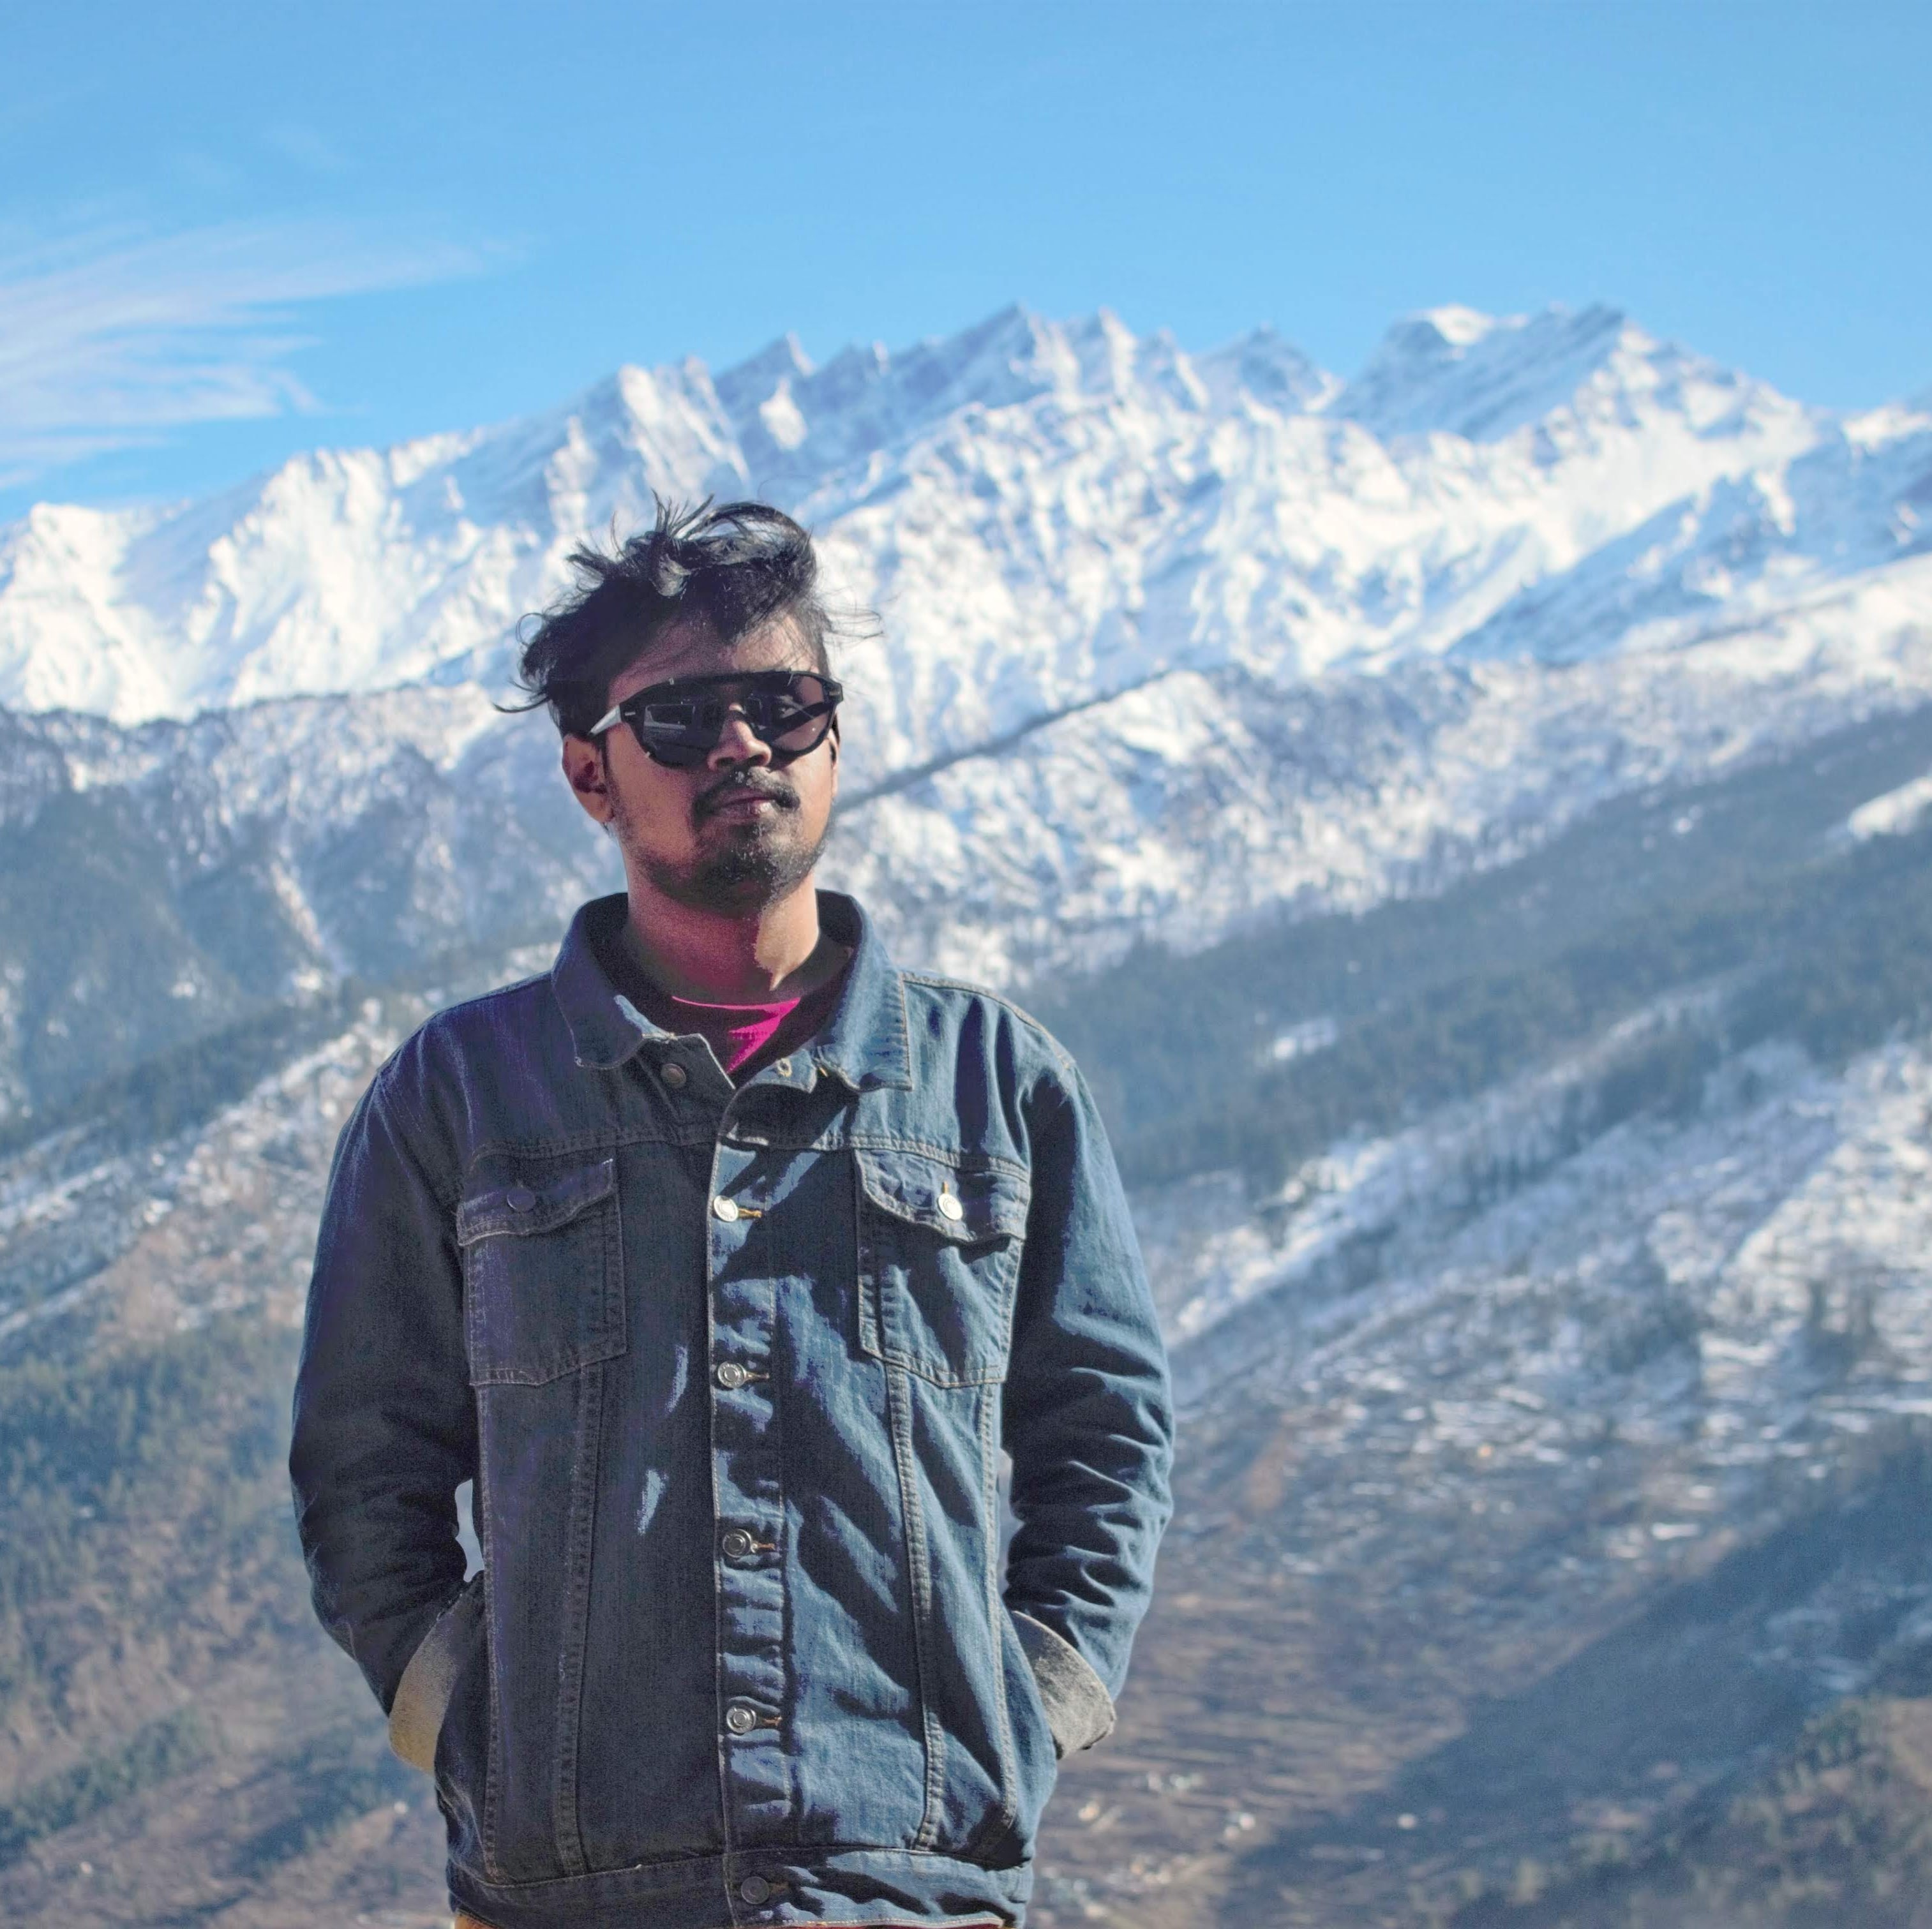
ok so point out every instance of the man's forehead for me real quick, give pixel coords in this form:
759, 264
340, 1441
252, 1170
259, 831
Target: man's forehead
693, 648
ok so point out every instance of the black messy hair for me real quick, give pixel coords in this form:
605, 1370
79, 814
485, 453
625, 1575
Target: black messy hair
735, 566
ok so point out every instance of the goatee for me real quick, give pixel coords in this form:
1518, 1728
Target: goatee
762, 862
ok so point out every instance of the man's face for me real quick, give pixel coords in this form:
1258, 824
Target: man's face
735, 833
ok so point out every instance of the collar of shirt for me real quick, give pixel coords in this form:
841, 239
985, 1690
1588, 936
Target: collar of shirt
864, 1042
743, 1038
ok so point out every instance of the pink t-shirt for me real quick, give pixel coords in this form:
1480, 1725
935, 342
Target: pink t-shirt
744, 1038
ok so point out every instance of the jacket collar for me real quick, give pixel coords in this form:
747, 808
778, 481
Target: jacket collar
864, 1045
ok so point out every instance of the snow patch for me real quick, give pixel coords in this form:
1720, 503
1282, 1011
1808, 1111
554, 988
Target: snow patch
1896, 812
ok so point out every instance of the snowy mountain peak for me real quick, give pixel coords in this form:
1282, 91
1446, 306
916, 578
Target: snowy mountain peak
749, 382
799, 426
635, 406
1453, 371
1263, 367
1452, 324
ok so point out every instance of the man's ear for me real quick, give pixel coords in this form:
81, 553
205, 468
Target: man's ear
585, 771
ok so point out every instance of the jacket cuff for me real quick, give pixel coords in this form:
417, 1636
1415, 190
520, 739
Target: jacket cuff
1079, 1710
422, 1695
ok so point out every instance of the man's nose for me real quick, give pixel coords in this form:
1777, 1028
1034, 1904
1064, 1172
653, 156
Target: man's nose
738, 743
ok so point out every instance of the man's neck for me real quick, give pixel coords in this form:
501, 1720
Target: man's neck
716, 958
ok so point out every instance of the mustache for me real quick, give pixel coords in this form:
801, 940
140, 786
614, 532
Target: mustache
746, 783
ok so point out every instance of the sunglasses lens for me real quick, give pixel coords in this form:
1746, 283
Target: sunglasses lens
793, 720
680, 731
676, 755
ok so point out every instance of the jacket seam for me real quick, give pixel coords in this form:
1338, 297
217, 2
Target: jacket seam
492, 1772
793, 1853
788, 1646
721, 1747
936, 981
391, 1093
961, 1159
580, 1551
898, 1400
1009, 1768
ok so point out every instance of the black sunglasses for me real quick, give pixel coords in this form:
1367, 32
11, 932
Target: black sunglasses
681, 722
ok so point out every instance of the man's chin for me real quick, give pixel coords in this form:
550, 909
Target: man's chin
740, 880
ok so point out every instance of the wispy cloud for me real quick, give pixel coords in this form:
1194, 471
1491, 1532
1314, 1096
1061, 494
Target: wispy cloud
114, 337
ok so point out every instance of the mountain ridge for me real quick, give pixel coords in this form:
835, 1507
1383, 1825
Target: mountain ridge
1028, 493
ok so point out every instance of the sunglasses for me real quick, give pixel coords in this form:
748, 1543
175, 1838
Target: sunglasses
681, 722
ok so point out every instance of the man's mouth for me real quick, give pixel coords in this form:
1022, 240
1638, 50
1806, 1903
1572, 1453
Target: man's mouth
747, 802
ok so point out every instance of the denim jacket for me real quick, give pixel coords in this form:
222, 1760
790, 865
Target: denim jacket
732, 1370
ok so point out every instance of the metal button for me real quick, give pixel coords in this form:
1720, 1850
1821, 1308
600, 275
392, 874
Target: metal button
726, 1209
782, 1067
732, 1374
675, 1076
737, 1543
519, 1198
755, 1888
741, 1718
949, 1204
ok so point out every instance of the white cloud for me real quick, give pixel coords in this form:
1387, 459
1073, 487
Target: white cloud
113, 338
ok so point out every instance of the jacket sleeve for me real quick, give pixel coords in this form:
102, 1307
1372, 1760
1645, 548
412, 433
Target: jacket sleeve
385, 1426
1088, 1421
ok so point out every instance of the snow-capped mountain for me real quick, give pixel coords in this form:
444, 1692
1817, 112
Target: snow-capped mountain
1167, 639
1519, 757
1044, 514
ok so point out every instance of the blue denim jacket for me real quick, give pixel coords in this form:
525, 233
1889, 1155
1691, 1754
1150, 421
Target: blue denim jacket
732, 1369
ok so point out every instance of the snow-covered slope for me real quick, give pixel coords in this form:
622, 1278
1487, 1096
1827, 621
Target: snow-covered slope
343, 570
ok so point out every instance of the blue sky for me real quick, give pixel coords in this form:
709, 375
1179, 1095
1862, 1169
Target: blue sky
229, 232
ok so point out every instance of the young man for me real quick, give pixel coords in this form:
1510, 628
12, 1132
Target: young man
725, 1259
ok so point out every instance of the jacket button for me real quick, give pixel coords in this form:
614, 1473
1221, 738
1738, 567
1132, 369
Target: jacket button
519, 1198
738, 1544
783, 1068
726, 1209
755, 1888
949, 1204
675, 1076
731, 1374
741, 1718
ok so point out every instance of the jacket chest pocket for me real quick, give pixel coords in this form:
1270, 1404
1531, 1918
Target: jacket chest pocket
543, 1276
939, 1254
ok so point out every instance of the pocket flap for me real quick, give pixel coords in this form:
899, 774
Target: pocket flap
966, 1206
523, 1208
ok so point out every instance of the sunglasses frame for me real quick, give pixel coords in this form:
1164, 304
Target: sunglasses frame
685, 754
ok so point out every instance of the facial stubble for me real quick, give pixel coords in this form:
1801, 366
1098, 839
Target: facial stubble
761, 861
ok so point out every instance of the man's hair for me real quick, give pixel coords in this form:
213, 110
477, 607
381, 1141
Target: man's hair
733, 567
